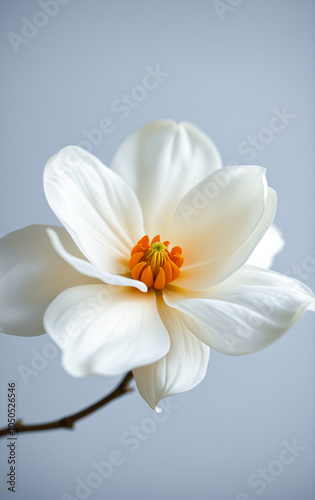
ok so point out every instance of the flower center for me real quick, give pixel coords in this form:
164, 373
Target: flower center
153, 264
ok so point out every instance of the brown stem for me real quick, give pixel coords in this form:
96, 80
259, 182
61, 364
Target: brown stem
69, 421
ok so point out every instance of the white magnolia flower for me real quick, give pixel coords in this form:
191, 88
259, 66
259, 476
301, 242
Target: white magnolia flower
115, 296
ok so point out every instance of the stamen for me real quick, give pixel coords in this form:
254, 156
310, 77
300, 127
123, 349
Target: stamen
135, 259
137, 270
153, 264
159, 282
144, 241
147, 277
156, 238
137, 248
168, 272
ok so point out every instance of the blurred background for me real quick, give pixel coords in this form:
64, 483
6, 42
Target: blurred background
230, 67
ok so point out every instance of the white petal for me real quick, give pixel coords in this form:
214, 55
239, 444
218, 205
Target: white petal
31, 275
183, 367
247, 312
106, 330
88, 269
100, 211
270, 245
226, 223
162, 161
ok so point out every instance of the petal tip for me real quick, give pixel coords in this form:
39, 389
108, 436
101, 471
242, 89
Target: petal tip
142, 287
53, 236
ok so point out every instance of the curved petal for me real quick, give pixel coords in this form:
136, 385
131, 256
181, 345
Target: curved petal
226, 228
162, 161
106, 330
88, 269
247, 312
182, 368
100, 211
270, 245
31, 275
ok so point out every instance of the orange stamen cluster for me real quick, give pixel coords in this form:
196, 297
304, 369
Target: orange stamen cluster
153, 264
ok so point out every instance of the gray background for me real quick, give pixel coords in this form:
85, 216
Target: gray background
226, 76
